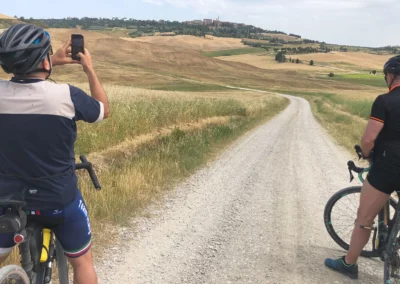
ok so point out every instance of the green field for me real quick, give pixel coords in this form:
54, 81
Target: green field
362, 79
231, 52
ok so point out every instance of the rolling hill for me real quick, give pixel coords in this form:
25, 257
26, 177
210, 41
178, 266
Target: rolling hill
5, 17
150, 65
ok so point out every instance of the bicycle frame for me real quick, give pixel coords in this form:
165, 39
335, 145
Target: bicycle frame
38, 267
383, 228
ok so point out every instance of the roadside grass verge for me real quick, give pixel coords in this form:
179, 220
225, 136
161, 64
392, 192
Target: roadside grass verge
361, 79
136, 111
133, 179
356, 107
231, 52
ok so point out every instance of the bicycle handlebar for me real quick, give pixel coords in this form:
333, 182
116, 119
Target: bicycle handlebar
353, 168
89, 167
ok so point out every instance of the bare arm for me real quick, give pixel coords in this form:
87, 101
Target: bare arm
371, 133
96, 89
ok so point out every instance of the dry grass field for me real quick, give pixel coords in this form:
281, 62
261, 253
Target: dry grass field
192, 42
156, 66
5, 17
348, 61
268, 62
359, 60
281, 36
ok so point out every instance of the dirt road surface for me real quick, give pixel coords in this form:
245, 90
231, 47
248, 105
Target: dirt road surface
254, 215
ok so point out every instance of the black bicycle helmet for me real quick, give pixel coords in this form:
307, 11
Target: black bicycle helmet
22, 48
392, 66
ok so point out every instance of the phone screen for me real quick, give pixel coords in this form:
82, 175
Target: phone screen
77, 45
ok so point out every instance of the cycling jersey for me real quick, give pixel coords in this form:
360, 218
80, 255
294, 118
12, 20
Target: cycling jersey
37, 135
386, 109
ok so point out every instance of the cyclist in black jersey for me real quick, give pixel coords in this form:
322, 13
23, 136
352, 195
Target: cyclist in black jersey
382, 136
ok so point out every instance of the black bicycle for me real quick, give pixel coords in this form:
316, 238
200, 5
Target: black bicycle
38, 246
340, 215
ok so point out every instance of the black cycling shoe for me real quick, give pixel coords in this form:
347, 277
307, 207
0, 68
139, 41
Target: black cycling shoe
340, 266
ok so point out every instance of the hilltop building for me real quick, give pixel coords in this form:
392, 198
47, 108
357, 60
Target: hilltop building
208, 22
195, 22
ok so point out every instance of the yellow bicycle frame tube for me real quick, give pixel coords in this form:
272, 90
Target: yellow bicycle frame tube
46, 245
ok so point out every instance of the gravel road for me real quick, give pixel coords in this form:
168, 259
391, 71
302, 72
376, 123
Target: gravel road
254, 215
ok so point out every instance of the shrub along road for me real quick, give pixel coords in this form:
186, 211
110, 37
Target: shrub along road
254, 215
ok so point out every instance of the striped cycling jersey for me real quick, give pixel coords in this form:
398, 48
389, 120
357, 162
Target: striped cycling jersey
37, 135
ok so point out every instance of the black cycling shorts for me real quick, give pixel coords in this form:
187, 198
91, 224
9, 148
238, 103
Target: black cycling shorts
383, 180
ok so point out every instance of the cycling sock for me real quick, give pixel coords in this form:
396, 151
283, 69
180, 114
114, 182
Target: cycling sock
345, 263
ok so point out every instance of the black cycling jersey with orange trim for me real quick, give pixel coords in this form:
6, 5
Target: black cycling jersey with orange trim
386, 109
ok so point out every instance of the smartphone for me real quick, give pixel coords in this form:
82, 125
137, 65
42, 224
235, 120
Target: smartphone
77, 45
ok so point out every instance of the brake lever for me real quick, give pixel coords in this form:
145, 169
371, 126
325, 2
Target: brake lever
359, 152
351, 175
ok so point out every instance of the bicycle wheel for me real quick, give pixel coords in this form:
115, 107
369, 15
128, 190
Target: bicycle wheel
340, 214
392, 260
62, 264
13, 274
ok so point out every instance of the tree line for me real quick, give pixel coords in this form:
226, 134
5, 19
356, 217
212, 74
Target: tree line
149, 27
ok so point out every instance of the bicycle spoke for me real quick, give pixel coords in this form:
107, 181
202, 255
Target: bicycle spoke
353, 210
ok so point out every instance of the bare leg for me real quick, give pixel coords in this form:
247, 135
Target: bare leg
371, 202
84, 272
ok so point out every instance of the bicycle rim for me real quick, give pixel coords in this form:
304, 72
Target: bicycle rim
62, 264
392, 261
13, 274
340, 215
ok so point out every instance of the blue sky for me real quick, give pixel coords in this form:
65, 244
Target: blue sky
356, 22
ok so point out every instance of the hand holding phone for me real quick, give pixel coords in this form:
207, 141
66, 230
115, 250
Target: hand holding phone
86, 61
77, 46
